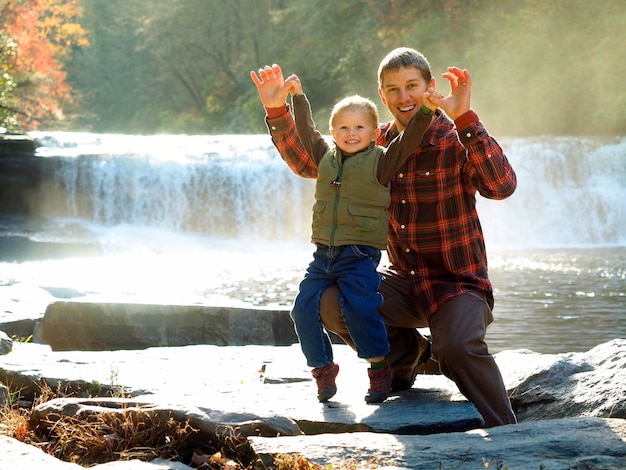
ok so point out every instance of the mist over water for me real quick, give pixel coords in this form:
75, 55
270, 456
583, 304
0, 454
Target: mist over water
226, 186
221, 219
571, 191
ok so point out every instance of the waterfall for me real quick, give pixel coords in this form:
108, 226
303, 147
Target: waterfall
571, 191
224, 186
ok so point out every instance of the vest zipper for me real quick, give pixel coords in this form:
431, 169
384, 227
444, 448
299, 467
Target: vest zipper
337, 187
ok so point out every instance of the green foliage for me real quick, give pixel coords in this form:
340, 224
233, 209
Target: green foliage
181, 66
7, 83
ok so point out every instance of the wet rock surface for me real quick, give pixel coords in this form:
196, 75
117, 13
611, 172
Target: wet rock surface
571, 406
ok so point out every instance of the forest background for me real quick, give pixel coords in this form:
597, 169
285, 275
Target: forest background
539, 67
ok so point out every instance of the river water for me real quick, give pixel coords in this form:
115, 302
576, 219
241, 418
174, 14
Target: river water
221, 220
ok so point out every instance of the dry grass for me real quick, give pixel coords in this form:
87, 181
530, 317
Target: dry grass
104, 437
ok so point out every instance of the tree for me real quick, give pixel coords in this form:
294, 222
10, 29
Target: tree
44, 32
170, 65
7, 84
181, 66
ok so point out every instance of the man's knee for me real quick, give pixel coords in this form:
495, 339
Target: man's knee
460, 349
459, 328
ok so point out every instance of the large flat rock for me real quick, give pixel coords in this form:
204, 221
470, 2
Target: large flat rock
428, 427
248, 382
578, 443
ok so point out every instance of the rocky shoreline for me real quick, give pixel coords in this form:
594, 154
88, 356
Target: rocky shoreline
571, 407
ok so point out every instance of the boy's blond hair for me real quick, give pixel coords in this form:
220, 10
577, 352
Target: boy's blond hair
355, 103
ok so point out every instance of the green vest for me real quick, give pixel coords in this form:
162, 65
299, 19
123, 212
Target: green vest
354, 212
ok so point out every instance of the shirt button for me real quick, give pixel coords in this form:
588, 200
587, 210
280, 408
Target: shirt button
412, 273
469, 134
273, 128
400, 175
403, 201
408, 250
402, 226
428, 173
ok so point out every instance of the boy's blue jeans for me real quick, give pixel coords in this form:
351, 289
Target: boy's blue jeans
353, 269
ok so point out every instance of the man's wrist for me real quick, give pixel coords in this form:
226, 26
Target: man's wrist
466, 119
273, 113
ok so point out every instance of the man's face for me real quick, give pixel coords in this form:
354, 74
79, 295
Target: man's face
402, 91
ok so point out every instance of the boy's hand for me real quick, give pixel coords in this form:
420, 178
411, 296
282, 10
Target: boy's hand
431, 99
294, 85
271, 86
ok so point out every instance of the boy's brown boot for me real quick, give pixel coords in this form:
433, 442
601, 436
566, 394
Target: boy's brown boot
325, 378
380, 384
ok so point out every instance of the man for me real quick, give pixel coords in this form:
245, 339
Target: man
438, 273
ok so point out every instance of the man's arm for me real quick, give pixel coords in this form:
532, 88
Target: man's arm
282, 129
273, 93
492, 175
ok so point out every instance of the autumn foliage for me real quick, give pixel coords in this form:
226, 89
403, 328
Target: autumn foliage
43, 31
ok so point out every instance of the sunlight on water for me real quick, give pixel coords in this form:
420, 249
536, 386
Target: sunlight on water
558, 300
222, 220
158, 148
156, 266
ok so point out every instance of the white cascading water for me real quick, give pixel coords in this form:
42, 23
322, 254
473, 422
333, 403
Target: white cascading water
571, 191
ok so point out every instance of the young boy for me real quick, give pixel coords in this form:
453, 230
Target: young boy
349, 228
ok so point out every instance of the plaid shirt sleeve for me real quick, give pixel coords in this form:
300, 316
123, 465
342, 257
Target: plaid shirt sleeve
282, 129
491, 173
435, 237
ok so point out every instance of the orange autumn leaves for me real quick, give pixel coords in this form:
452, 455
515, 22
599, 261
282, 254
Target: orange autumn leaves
45, 31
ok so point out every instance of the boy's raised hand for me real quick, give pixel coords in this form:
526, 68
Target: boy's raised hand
294, 85
271, 86
432, 98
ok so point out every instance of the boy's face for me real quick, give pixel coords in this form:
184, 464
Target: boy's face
353, 130
402, 91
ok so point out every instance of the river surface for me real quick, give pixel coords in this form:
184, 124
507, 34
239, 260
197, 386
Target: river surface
220, 220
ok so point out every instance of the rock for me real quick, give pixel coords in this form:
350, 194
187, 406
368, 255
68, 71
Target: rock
268, 390
205, 421
20, 174
6, 343
22, 328
96, 326
244, 383
5, 396
16, 145
19, 456
579, 443
591, 383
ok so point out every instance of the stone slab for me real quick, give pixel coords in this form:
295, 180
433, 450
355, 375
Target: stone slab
576, 443
248, 382
100, 326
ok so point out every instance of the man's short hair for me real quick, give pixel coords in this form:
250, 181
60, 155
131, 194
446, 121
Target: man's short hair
404, 57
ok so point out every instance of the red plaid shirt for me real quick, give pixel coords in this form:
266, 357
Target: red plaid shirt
435, 237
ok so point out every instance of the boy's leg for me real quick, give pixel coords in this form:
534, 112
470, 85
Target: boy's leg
314, 341
408, 348
359, 298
